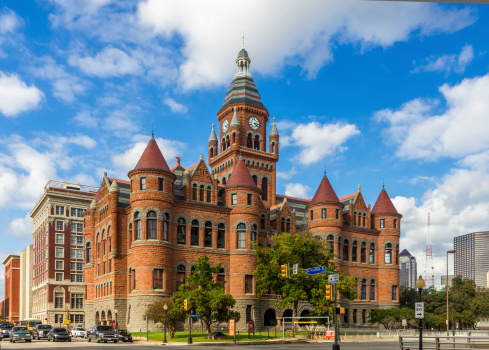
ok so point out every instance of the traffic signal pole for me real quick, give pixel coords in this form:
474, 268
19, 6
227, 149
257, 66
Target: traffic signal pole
336, 345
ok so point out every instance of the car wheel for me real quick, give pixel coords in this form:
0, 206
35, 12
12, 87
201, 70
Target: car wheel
115, 341
98, 341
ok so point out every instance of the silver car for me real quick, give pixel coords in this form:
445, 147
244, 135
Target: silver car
78, 332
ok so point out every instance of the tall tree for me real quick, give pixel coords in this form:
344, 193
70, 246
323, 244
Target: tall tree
307, 251
206, 297
174, 315
407, 297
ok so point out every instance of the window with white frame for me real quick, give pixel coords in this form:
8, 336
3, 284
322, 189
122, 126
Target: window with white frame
76, 227
234, 201
76, 300
60, 210
59, 276
77, 254
76, 212
60, 238
58, 300
76, 277
76, 240
59, 252
76, 266
59, 226
59, 264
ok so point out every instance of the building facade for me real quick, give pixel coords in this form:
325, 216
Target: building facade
409, 269
25, 285
143, 235
58, 252
472, 257
10, 303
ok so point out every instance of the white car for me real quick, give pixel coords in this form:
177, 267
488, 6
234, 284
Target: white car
78, 332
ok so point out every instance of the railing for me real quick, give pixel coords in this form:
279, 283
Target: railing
444, 342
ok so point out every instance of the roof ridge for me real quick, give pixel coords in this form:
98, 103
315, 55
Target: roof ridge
119, 180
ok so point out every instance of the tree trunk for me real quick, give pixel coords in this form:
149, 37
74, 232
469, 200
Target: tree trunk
207, 324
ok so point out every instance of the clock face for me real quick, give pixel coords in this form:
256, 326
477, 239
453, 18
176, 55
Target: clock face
225, 125
254, 123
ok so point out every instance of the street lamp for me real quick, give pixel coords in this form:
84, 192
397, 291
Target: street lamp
165, 307
116, 325
446, 287
420, 285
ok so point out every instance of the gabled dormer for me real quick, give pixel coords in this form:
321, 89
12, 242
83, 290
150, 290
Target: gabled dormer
201, 187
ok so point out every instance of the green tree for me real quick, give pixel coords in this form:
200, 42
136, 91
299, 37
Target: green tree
462, 294
307, 251
205, 297
392, 318
174, 315
407, 297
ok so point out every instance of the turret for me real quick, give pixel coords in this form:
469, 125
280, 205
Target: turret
114, 202
384, 214
274, 139
212, 144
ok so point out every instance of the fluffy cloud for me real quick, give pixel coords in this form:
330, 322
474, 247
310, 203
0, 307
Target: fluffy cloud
21, 227
290, 39
297, 190
16, 97
175, 106
9, 21
110, 62
448, 63
421, 132
287, 174
85, 118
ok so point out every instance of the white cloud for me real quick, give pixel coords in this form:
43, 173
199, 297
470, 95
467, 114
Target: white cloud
320, 140
175, 106
85, 118
447, 63
110, 62
422, 133
9, 21
127, 160
297, 33
297, 190
287, 174
16, 97
21, 227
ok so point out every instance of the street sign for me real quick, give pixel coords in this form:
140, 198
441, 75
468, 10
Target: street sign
232, 325
404, 322
419, 310
197, 315
66, 322
295, 269
316, 270
334, 279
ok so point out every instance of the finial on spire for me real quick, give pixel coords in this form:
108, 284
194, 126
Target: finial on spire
383, 184
325, 171
359, 188
152, 133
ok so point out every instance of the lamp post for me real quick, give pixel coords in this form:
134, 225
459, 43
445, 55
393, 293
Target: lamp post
165, 307
420, 285
116, 324
446, 287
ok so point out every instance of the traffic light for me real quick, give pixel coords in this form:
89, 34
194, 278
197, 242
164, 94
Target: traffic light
329, 292
284, 271
185, 304
342, 310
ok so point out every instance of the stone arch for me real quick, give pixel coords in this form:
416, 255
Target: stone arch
102, 316
109, 315
214, 226
151, 208
269, 318
374, 242
181, 262
287, 313
97, 318
196, 217
225, 268
262, 176
254, 222
178, 216
393, 245
222, 221
242, 221
166, 211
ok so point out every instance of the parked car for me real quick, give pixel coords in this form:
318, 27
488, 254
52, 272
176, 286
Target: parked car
59, 334
5, 330
124, 335
41, 331
102, 333
78, 332
20, 333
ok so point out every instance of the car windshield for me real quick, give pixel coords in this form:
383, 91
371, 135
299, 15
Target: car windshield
9, 326
34, 323
19, 329
124, 332
80, 329
104, 328
60, 330
44, 326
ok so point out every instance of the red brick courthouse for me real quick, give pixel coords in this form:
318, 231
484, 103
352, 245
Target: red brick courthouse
143, 235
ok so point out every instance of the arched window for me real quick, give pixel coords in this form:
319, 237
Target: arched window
330, 241
151, 225
273, 147
209, 192
354, 251
221, 236
208, 234
364, 218
282, 225
371, 254
194, 192
372, 290
224, 181
130, 233
228, 144
364, 289
223, 144
288, 225
363, 252
262, 221
345, 249
264, 189
166, 225
253, 236
202, 198
234, 138
103, 242
180, 275
255, 179
249, 141
181, 228
221, 275
241, 233
257, 143
137, 225
388, 253
194, 233
88, 249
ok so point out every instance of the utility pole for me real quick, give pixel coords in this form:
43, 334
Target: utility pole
336, 345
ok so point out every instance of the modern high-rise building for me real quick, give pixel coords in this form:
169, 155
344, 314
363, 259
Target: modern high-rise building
58, 254
472, 257
409, 269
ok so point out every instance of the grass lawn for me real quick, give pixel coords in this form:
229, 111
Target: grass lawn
202, 336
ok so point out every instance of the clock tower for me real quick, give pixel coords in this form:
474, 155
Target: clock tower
242, 133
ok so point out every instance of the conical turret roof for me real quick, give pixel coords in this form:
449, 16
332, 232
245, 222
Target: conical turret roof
273, 131
213, 137
152, 158
240, 176
235, 120
325, 192
384, 204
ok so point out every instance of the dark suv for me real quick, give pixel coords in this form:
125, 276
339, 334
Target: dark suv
5, 330
41, 331
102, 333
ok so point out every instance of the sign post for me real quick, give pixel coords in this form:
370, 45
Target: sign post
232, 330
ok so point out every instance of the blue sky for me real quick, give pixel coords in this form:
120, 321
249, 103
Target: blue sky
373, 91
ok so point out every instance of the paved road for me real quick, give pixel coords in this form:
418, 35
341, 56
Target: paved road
77, 343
